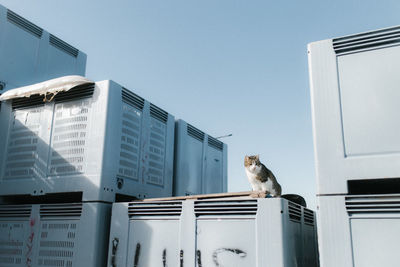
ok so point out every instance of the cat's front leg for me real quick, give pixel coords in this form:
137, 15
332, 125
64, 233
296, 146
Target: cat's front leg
256, 187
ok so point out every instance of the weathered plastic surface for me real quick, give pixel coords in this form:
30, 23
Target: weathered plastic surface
69, 234
359, 230
354, 93
200, 165
99, 139
240, 232
30, 54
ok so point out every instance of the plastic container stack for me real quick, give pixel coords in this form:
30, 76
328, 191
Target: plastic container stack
213, 232
354, 88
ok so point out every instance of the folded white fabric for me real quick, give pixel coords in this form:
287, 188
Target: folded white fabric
50, 87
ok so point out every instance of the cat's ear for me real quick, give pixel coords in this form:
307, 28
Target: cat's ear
246, 157
258, 157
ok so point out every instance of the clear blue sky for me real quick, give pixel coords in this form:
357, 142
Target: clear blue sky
224, 66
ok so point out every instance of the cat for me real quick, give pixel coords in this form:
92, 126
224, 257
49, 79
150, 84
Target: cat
260, 177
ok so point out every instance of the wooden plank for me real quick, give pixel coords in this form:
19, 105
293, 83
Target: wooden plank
252, 194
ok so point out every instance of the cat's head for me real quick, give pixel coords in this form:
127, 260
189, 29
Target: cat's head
252, 163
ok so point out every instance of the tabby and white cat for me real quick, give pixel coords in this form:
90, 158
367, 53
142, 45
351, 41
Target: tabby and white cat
260, 177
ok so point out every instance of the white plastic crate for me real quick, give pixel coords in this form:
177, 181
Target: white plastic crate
354, 91
245, 232
359, 230
69, 234
99, 139
200, 165
30, 54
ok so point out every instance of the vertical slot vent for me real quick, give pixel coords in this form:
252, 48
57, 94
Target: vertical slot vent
24, 24
215, 143
309, 217
63, 46
195, 133
221, 208
13, 211
372, 204
130, 139
25, 102
60, 210
69, 137
23, 159
57, 241
157, 152
132, 99
294, 212
162, 208
80, 91
158, 113
365, 41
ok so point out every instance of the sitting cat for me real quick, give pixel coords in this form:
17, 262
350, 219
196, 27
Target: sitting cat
260, 177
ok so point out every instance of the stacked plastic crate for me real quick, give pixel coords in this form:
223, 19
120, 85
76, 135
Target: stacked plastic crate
200, 164
74, 155
355, 92
29, 54
213, 232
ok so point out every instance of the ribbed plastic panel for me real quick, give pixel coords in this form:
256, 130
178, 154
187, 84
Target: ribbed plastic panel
24, 24
26, 102
60, 210
157, 143
154, 208
158, 113
372, 204
308, 216
195, 133
369, 40
81, 91
218, 208
213, 142
15, 211
22, 155
63, 46
132, 99
294, 212
130, 139
69, 135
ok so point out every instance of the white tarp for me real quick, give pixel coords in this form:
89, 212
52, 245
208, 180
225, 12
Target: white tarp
50, 87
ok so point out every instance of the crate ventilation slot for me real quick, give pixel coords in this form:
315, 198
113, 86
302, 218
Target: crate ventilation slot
24, 24
20, 211
294, 212
158, 113
218, 208
60, 210
26, 102
365, 41
132, 99
63, 46
195, 133
370, 205
308, 217
155, 209
80, 91
215, 143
